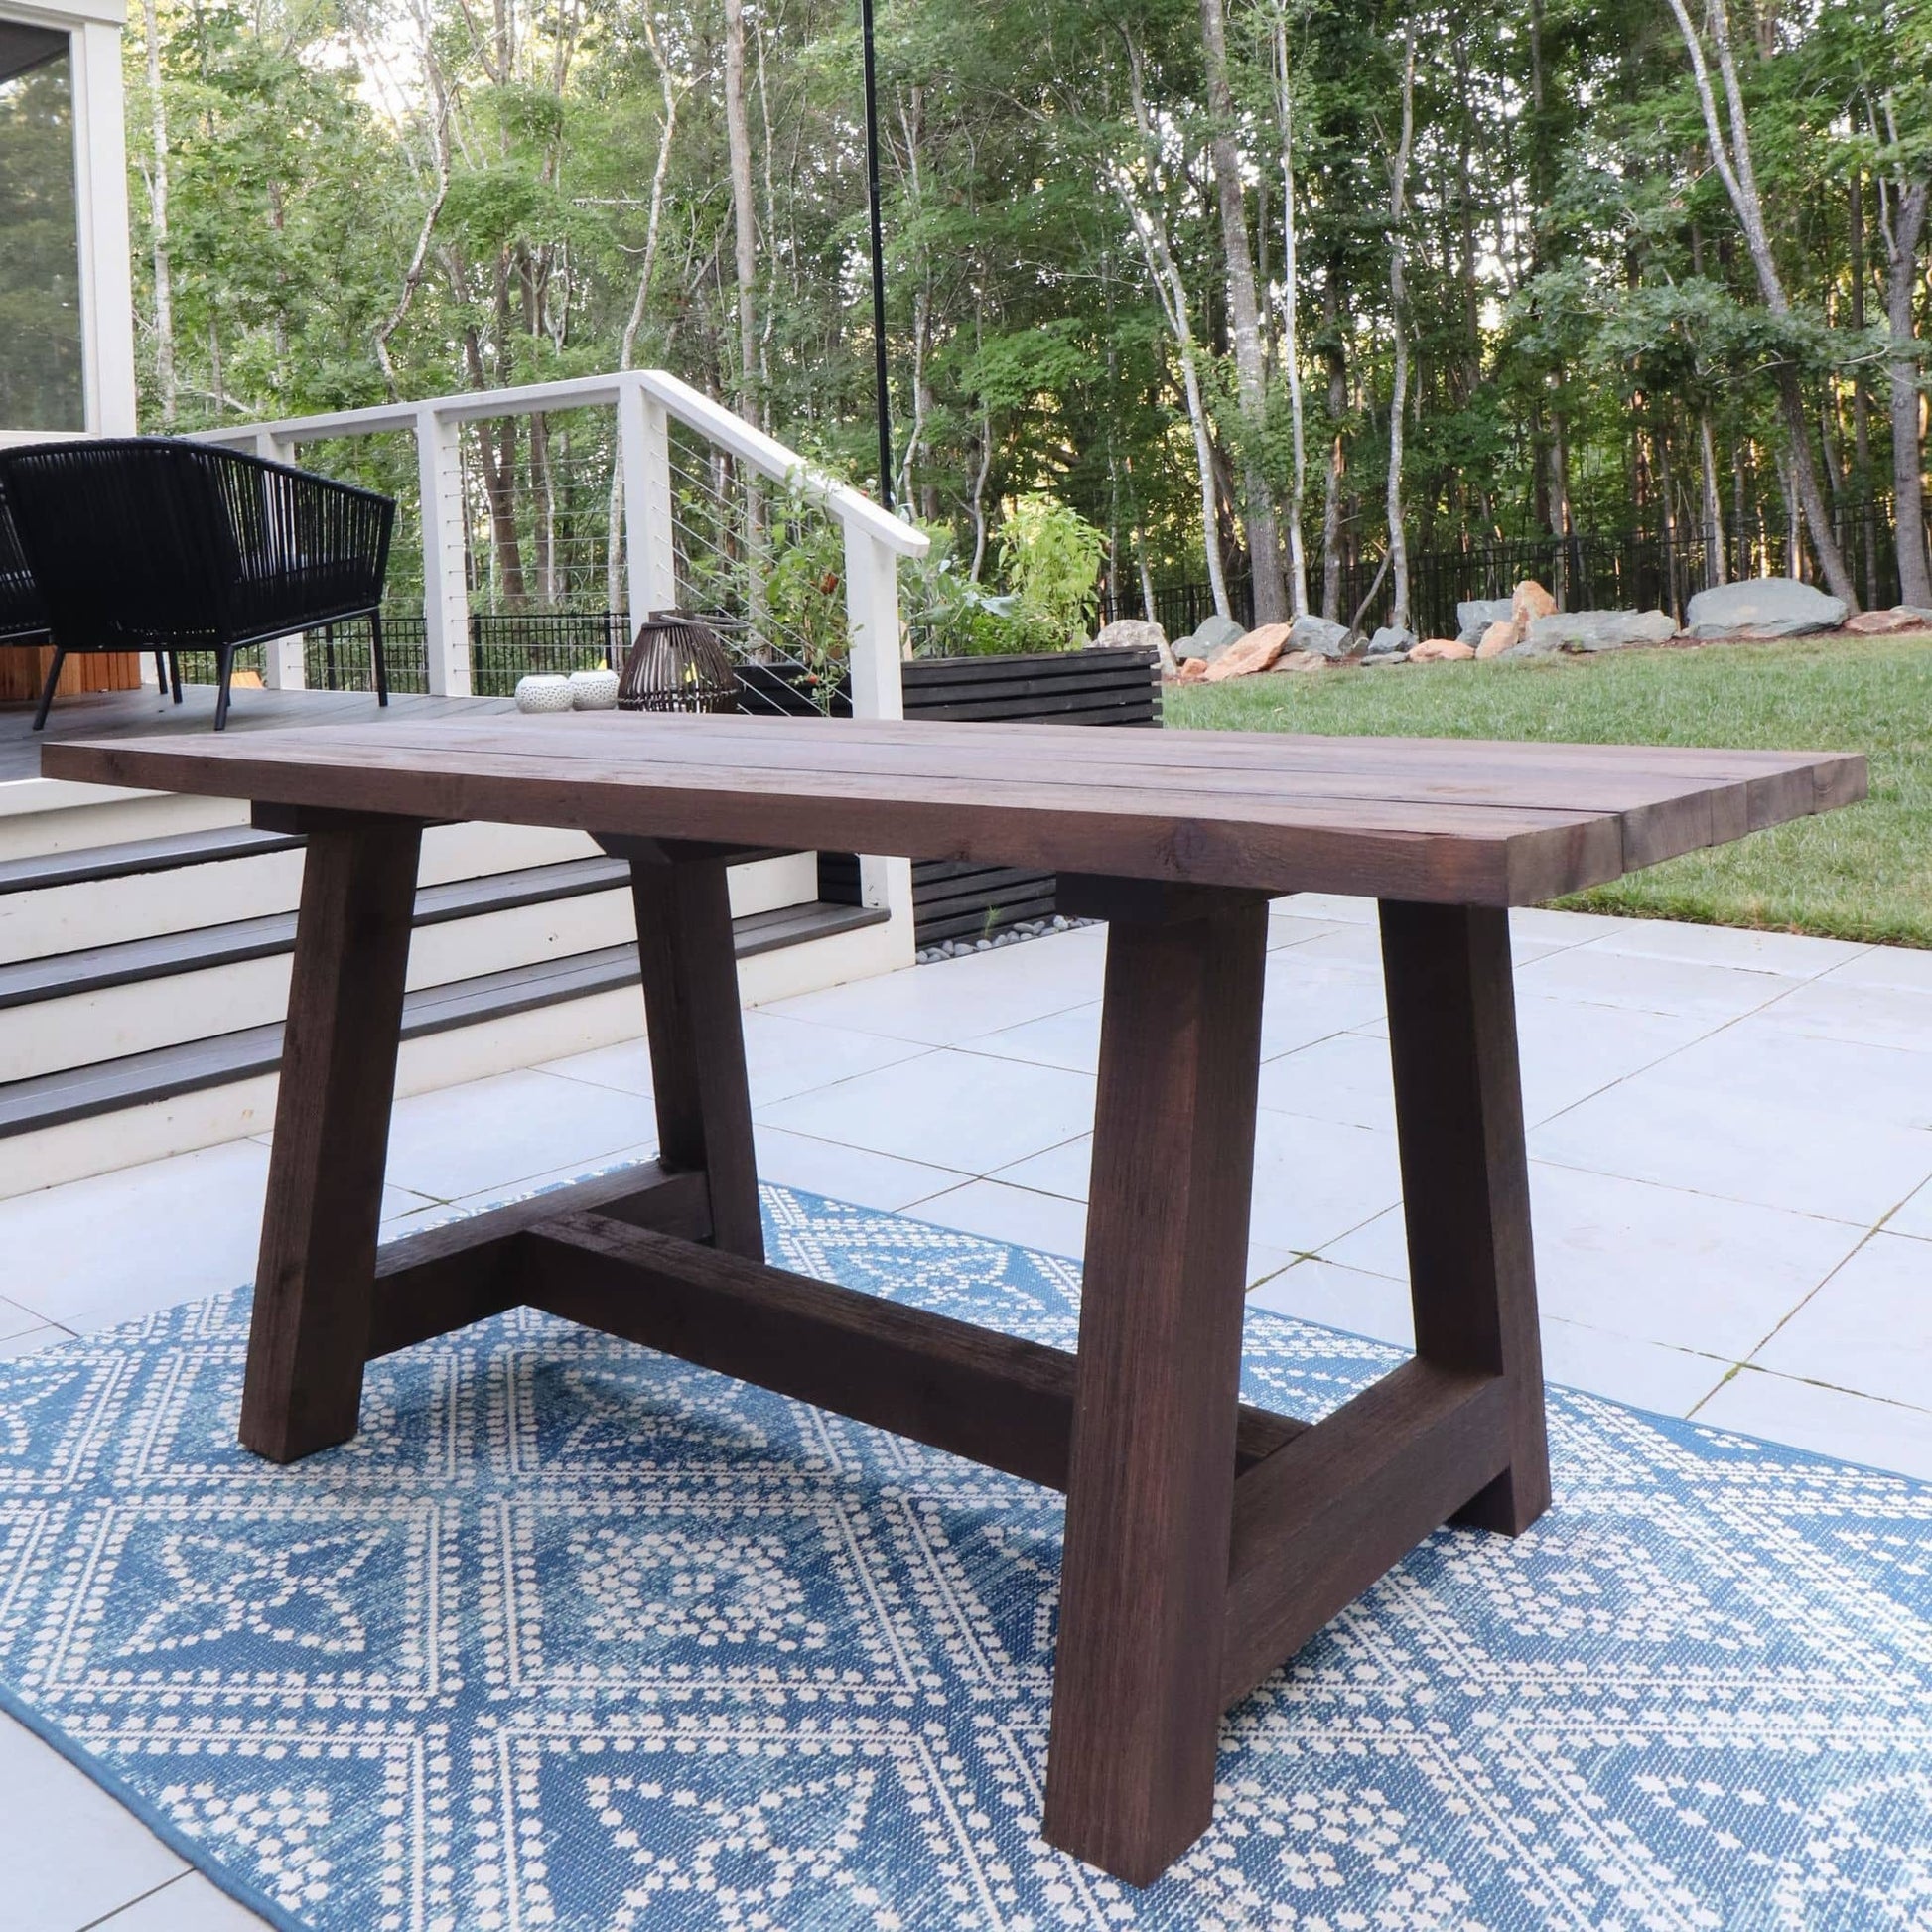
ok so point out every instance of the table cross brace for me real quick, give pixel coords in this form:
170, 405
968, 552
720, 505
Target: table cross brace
1206, 1539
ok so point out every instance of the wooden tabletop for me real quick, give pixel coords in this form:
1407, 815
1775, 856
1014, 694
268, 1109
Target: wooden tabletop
1452, 820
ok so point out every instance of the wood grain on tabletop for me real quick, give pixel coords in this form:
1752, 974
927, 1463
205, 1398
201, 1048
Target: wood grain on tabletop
1430, 819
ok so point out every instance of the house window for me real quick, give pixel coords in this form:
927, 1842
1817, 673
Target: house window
41, 353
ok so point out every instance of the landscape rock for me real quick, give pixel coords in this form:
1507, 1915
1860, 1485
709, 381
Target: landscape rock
1303, 660
1135, 634
1498, 638
1763, 607
1529, 602
1255, 651
1213, 636
1387, 658
1475, 615
1193, 670
1440, 651
1322, 634
1888, 623
1599, 630
1388, 639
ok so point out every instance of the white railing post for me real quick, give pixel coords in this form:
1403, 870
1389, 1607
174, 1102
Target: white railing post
649, 548
446, 594
283, 662
873, 628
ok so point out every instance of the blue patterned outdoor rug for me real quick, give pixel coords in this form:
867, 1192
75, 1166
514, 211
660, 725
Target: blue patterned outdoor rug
575, 1638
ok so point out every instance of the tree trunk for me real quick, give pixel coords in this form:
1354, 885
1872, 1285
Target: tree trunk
1714, 567
1337, 361
614, 576
1172, 292
1731, 157
1861, 398
1904, 229
1244, 325
1398, 330
163, 279
1560, 526
738, 141
1298, 563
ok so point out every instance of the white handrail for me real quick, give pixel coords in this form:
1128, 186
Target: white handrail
680, 401
646, 403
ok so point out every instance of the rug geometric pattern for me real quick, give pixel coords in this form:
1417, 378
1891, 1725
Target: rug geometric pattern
576, 1637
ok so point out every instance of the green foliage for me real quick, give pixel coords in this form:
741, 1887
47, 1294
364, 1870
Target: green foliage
1579, 301
1052, 556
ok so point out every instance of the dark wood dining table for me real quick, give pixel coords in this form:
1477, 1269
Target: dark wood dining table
1206, 1540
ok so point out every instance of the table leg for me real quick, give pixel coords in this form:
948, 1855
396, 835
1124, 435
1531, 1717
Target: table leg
689, 967
1466, 1175
1137, 1680
315, 1279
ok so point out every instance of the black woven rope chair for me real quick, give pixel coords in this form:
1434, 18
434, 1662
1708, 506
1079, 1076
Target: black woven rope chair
23, 619
23, 616
143, 543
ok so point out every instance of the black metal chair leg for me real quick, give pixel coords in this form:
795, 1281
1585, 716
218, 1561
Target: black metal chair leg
224, 670
174, 673
47, 689
381, 668
161, 671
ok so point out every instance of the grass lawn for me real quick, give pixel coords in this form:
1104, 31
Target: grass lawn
1862, 874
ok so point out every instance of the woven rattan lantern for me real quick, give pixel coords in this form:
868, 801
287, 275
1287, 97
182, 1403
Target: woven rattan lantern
677, 665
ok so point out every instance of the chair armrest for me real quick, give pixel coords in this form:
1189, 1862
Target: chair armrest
304, 544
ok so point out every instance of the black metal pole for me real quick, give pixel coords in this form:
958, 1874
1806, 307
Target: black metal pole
883, 404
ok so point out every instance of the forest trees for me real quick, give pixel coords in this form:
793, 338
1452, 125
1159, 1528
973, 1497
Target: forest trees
1645, 265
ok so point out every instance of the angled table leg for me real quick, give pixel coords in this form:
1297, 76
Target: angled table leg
1137, 1705
1466, 1175
688, 963
315, 1279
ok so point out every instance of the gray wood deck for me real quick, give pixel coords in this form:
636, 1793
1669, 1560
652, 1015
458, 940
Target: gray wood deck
120, 714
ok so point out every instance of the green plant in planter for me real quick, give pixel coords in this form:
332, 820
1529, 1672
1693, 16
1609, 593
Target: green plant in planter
1050, 556
804, 599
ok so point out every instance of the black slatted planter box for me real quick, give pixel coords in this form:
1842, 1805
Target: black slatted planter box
954, 899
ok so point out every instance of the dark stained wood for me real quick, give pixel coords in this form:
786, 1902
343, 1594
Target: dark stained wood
314, 1283
1205, 1541
689, 968
1324, 1516
466, 1271
992, 1398
1137, 1678
1466, 1175
1434, 820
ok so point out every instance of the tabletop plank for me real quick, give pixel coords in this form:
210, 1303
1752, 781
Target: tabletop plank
1450, 820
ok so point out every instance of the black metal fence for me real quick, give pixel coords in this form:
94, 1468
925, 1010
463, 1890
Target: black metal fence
1633, 570
506, 645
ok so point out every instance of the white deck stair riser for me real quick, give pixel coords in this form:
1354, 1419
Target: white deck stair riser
61, 1031
66, 919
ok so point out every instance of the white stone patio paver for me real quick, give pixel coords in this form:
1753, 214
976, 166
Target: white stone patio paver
16, 1321
1833, 1421
1867, 1327
496, 1133
949, 1109
118, 1246
1683, 1133
1720, 1121
1836, 1007
189, 1904
69, 1854
782, 1057
1915, 1216
1757, 1063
